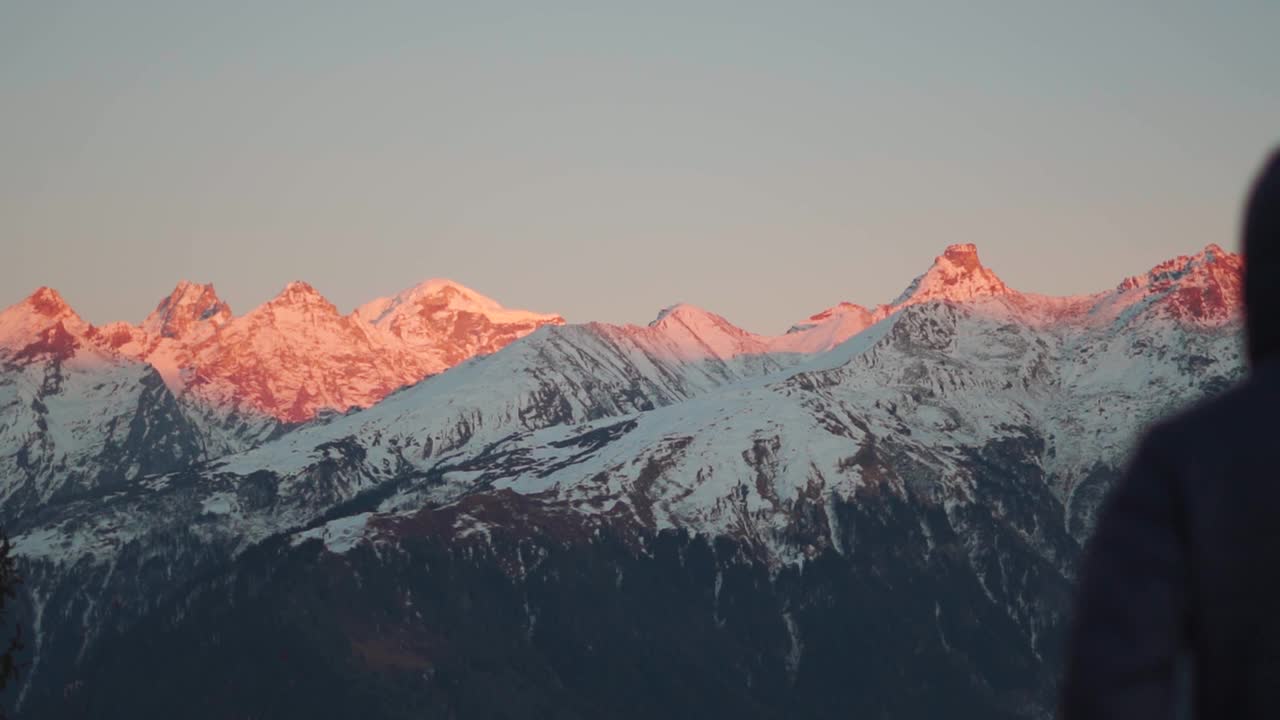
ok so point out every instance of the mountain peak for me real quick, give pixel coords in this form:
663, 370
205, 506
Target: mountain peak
41, 309
1203, 289
843, 308
42, 320
47, 302
1214, 249
1212, 259
958, 275
1212, 255
443, 322
441, 295
964, 255
299, 287
686, 314
438, 285
826, 329
436, 294
189, 304
301, 294
690, 333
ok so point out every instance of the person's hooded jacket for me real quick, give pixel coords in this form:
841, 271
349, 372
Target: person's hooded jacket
1183, 570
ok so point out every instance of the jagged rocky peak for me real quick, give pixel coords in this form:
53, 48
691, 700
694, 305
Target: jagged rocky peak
299, 290
40, 313
963, 255
47, 302
1214, 250
957, 275
1212, 263
124, 337
299, 294
184, 309
1204, 288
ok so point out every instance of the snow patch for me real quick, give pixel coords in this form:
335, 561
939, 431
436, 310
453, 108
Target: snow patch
339, 535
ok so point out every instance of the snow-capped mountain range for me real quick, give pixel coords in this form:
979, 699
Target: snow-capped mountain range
296, 356
235, 380
971, 427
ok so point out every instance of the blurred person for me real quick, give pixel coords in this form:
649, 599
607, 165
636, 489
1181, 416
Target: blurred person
1179, 600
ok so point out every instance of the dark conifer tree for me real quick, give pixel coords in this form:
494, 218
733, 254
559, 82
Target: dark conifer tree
9, 580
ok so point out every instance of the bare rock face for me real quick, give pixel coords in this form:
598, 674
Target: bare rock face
186, 308
957, 275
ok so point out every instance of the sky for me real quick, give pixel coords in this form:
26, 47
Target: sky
604, 160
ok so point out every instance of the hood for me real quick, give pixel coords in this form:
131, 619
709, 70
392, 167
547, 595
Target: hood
1262, 264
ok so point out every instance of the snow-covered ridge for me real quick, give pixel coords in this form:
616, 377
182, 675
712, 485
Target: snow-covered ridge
587, 414
974, 402
27, 321
1200, 290
441, 323
296, 356
439, 294
189, 307
957, 275
290, 358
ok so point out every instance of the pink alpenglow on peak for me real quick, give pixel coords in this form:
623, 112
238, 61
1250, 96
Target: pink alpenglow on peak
442, 295
823, 331
844, 308
684, 314
444, 322
189, 305
291, 358
43, 327
45, 305
1200, 290
957, 275
302, 294
687, 332
681, 335
47, 302
288, 359
37, 314
1212, 260
296, 355
1205, 289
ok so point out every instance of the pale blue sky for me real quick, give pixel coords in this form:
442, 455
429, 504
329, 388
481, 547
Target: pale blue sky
602, 160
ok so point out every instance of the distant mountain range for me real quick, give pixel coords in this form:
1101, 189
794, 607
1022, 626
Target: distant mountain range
436, 506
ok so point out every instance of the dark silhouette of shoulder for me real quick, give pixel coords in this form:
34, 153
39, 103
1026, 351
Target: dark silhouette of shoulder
1225, 429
